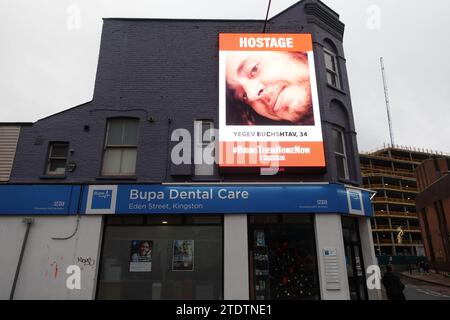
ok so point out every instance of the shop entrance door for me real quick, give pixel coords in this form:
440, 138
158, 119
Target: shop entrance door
354, 259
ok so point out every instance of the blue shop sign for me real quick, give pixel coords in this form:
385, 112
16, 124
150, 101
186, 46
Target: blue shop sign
39, 199
220, 199
182, 199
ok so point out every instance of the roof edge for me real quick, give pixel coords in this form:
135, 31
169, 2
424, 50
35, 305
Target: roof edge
181, 19
66, 110
15, 124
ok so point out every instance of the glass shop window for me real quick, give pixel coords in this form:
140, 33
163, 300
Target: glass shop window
156, 257
282, 258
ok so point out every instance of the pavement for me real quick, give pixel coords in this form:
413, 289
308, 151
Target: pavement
432, 278
421, 290
423, 286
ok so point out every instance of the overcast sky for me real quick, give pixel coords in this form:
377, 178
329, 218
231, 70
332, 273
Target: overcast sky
49, 51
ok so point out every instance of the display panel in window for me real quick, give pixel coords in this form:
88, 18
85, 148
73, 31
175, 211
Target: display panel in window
283, 258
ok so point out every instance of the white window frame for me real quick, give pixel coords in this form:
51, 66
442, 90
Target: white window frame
50, 158
343, 156
335, 73
121, 147
202, 168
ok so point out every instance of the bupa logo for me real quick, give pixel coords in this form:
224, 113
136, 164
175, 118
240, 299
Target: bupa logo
101, 200
355, 201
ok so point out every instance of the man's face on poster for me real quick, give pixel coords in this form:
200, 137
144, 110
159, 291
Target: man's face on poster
144, 248
276, 85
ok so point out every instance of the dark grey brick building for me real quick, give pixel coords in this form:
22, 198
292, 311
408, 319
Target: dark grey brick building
164, 75
168, 69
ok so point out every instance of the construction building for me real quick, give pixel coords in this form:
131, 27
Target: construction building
433, 207
390, 172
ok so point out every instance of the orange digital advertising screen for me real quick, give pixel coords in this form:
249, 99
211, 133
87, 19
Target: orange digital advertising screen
269, 108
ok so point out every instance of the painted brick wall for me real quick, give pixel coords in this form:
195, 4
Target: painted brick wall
169, 69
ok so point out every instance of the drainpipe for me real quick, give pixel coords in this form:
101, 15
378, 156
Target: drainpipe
29, 222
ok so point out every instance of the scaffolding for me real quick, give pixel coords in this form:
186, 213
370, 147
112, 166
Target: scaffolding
391, 172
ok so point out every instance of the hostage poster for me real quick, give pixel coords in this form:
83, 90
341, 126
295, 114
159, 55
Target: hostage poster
183, 255
141, 256
268, 101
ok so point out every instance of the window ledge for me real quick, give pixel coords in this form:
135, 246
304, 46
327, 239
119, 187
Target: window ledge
348, 181
116, 178
206, 179
56, 176
336, 89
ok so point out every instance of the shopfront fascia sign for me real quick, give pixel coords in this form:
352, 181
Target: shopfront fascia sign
183, 199
226, 199
39, 199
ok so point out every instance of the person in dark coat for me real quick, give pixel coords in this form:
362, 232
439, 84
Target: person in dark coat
421, 266
426, 267
393, 285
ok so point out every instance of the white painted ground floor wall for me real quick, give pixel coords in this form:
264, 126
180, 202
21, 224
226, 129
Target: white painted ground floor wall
43, 271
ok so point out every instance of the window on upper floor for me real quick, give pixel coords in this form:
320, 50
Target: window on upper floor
340, 154
203, 136
120, 152
57, 158
332, 67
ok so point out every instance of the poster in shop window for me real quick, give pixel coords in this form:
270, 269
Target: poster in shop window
141, 256
183, 255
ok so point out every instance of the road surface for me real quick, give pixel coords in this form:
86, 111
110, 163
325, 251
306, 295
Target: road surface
420, 290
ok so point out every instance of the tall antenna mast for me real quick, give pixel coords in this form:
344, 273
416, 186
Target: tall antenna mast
386, 95
267, 16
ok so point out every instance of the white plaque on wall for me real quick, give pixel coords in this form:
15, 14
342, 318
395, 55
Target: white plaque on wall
331, 269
